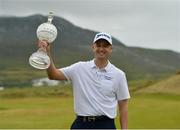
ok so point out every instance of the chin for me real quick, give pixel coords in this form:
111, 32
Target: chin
101, 57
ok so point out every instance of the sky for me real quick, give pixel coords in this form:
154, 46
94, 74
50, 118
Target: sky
142, 23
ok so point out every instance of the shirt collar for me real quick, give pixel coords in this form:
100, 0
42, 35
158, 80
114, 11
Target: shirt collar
93, 65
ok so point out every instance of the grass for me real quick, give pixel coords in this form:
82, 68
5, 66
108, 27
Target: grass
24, 92
20, 77
51, 112
52, 108
154, 111
169, 85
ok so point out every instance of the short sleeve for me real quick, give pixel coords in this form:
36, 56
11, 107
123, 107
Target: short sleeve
69, 71
122, 88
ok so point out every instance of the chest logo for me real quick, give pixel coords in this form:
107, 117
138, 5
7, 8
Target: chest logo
108, 77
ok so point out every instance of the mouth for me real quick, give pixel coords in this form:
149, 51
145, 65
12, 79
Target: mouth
101, 53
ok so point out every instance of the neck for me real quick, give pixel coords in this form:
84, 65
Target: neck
101, 63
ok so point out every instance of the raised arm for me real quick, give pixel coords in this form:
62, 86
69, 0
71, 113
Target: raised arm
52, 71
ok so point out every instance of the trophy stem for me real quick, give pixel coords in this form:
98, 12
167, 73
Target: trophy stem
42, 50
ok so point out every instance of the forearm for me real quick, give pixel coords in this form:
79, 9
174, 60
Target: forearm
52, 71
123, 119
123, 109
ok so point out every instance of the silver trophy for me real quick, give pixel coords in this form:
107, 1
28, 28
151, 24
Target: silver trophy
45, 32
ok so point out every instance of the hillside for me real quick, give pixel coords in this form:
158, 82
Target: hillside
18, 42
170, 85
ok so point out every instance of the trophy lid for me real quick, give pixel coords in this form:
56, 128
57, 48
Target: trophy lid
50, 17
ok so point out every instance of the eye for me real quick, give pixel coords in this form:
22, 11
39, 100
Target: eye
105, 45
98, 44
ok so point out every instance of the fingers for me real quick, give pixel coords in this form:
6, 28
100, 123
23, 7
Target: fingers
43, 44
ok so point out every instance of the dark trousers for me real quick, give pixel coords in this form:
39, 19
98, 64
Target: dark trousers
93, 122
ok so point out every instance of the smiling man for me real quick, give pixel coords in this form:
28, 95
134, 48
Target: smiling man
98, 87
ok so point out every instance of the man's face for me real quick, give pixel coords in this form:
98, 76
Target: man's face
102, 49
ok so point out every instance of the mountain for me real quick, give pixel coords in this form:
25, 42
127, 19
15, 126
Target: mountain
18, 41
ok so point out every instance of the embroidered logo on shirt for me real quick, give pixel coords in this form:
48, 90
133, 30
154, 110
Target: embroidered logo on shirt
107, 77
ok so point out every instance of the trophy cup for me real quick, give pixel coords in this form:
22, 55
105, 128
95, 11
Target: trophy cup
45, 32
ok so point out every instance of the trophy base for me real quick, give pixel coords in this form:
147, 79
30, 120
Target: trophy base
39, 60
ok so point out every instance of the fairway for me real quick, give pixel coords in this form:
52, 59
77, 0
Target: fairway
48, 112
154, 111
145, 111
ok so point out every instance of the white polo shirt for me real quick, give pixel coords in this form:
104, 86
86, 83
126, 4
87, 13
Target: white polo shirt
96, 91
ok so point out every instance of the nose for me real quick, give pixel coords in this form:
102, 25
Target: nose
101, 47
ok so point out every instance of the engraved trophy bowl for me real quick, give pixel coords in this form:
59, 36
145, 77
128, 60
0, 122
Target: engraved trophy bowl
45, 32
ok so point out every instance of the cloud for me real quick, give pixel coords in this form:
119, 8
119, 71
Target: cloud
146, 23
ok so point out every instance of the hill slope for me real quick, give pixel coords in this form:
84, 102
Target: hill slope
18, 38
170, 85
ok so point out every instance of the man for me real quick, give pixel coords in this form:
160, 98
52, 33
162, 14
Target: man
98, 87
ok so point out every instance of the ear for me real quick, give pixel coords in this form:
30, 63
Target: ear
111, 47
92, 45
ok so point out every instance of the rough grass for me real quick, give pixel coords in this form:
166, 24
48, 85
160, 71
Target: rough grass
23, 92
170, 85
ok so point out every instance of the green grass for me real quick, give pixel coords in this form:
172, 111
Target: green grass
160, 111
21, 77
24, 92
51, 112
52, 107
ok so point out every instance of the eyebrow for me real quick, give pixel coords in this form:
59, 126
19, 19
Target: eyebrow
102, 40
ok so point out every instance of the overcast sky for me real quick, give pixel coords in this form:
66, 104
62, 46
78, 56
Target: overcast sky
144, 23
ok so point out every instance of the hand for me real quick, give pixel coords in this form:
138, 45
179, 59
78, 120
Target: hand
43, 45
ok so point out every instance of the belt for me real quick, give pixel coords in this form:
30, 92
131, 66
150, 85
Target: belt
93, 118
